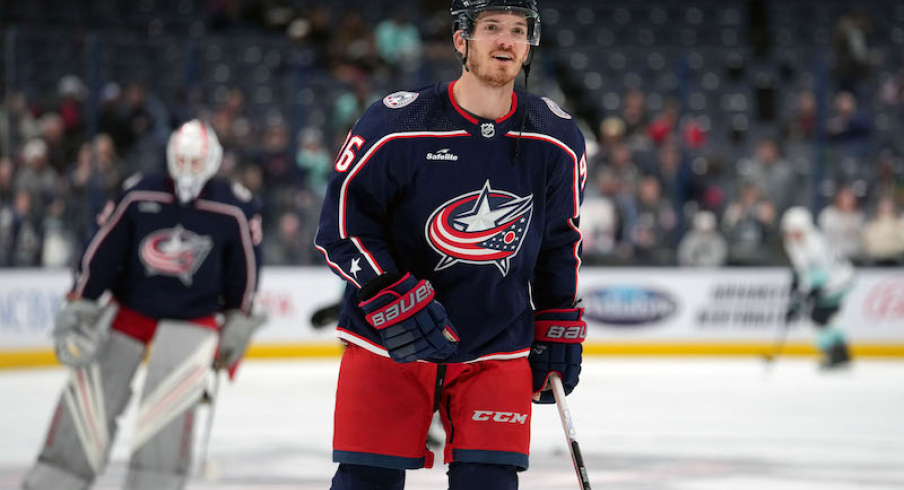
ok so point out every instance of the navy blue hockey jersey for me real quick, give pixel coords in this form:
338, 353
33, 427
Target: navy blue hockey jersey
166, 260
487, 210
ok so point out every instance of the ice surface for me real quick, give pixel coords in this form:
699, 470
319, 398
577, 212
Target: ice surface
665, 424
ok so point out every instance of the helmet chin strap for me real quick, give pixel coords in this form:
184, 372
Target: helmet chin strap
464, 59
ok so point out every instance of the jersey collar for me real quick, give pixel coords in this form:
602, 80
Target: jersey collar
474, 120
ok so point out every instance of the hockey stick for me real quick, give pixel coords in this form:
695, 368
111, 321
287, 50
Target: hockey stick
570, 434
778, 346
206, 468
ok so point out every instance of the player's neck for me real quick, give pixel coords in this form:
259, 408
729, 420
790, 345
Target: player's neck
481, 99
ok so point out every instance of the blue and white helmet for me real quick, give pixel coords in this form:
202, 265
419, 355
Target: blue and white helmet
193, 157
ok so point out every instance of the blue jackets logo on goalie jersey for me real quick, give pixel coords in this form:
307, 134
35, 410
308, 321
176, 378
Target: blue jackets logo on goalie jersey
174, 252
484, 227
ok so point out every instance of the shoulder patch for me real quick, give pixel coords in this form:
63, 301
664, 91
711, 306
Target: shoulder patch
241, 192
399, 100
556, 109
132, 181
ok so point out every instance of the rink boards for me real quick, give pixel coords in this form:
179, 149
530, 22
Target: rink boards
629, 312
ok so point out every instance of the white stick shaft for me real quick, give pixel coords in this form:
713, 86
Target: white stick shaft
570, 433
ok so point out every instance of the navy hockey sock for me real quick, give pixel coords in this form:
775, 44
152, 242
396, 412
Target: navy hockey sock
358, 477
482, 476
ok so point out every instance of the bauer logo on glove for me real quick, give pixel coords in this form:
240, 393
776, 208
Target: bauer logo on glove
412, 324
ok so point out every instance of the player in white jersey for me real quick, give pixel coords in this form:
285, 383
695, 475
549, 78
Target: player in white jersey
821, 280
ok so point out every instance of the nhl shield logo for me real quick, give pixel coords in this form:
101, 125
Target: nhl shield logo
174, 252
485, 227
488, 130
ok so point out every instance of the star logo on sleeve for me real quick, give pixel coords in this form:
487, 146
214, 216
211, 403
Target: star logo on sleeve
353, 270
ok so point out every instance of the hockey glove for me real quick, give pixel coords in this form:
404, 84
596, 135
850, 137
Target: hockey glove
80, 328
557, 348
412, 324
235, 335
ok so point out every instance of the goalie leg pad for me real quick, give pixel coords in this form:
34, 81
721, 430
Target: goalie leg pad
177, 371
84, 423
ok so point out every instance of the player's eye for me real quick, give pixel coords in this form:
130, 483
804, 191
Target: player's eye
490, 27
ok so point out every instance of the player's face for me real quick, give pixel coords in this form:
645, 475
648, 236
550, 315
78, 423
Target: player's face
794, 236
498, 47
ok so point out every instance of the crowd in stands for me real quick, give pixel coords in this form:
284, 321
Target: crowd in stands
663, 187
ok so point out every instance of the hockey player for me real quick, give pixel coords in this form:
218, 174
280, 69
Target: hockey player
819, 283
452, 213
173, 251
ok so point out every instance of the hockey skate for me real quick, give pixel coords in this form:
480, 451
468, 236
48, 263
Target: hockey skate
836, 357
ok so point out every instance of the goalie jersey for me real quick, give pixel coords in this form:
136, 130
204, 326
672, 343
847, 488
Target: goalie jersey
166, 260
486, 210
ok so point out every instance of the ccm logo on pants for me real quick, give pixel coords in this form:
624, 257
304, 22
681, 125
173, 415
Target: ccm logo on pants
510, 417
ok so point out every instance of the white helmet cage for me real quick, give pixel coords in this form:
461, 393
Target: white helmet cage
193, 157
466, 20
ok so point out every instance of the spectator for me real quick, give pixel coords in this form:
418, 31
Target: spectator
398, 42
57, 248
290, 246
772, 174
634, 116
848, 130
611, 135
7, 178
850, 42
802, 125
703, 246
749, 226
274, 157
351, 104
842, 224
353, 50
313, 160
883, 235
36, 176
72, 94
20, 242
653, 229
53, 133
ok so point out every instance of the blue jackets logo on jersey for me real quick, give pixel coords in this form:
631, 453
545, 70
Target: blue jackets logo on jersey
484, 227
174, 252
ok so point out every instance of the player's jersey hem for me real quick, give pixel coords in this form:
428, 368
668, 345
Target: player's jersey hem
490, 457
378, 460
381, 351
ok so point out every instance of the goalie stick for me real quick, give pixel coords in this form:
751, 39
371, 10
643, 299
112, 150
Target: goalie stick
206, 468
570, 433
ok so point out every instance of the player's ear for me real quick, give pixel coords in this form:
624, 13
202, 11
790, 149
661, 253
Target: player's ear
459, 43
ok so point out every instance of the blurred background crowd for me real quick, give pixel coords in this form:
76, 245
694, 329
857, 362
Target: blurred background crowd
704, 119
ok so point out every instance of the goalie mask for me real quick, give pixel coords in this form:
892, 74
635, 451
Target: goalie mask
193, 156
466, 12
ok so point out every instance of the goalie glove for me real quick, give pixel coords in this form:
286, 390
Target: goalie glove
235, 335
80, 328
558, 335
412, 324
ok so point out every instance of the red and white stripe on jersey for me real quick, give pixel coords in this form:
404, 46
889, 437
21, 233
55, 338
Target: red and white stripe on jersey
336, 267
247, 246
379, 350
109, 224
578, 175
343, 194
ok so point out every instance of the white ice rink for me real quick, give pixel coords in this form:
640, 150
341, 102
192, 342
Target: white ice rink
682, 424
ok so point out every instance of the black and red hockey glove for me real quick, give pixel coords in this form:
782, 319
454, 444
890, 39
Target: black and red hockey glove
558, 335
413, 325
